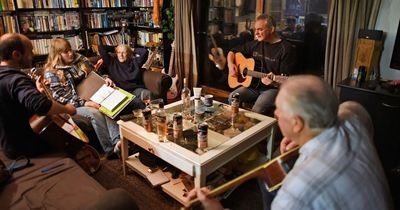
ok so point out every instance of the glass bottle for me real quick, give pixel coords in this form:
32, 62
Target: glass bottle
185, 96
161, 117
235, 103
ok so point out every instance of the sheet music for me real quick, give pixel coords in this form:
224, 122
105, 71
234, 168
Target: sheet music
113, 100
102, 94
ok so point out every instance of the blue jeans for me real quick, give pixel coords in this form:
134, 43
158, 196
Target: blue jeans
107, 130
264, 99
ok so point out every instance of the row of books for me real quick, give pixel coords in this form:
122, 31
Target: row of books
41, 46
7, 5
105, 3
100, 20
8, 24
45, 21
143, 3
143, 18
47, 4
112, 38
145, 36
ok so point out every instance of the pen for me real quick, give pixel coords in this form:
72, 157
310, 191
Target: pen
52, 167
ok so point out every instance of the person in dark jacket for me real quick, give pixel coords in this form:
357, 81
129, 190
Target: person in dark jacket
20, 100
124, 68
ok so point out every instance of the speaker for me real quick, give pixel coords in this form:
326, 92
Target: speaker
370, 34
369, 45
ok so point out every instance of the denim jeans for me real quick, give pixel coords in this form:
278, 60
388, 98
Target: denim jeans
264, 99
107, 130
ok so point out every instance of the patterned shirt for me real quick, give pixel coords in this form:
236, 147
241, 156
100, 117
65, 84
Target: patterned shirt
64, 79
338, 169
62, 87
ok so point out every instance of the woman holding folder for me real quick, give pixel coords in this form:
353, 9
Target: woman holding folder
64, 70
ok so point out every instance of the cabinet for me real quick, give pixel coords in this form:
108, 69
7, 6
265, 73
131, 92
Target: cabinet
80, 21
384, 109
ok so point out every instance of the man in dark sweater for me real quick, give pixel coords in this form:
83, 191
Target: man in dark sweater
20, 99
273, 56
124, 68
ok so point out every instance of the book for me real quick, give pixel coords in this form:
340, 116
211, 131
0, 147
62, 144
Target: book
112, 100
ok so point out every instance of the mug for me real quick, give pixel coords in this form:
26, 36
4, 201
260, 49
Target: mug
208, 100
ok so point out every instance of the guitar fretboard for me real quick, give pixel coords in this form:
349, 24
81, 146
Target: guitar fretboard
256, 74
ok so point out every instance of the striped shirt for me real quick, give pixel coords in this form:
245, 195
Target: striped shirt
338, 169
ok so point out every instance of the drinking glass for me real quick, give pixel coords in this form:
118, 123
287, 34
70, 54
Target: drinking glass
146, 97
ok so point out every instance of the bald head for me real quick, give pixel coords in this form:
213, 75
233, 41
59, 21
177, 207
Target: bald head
16, 49
312, 99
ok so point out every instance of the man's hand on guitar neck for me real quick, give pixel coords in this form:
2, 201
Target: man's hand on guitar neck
268, 79
287, 144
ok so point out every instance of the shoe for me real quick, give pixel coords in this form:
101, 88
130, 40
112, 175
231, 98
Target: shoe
117, 147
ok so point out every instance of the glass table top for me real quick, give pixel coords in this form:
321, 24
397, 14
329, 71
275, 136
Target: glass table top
219, 118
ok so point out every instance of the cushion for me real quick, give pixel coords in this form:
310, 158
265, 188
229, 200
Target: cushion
53, 182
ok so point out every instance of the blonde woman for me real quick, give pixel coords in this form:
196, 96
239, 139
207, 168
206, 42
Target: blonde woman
64, 70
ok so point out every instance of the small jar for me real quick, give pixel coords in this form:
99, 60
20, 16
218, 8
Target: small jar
235, 103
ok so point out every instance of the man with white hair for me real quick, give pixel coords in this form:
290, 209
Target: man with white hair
338, 167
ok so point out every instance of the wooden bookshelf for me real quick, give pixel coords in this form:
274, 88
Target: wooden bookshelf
81, 21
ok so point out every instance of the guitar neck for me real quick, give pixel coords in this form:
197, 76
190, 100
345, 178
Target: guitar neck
213, 41
270, 169
171, 59
257, 74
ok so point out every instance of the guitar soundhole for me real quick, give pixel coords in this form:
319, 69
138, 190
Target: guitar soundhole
242, 76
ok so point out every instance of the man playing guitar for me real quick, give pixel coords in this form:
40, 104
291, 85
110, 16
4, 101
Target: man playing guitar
20, 100
272, 55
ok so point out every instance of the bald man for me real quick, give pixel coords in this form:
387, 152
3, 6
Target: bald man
20, 99
338, 167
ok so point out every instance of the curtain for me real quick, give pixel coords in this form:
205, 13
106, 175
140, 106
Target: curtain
184, 62
345, 19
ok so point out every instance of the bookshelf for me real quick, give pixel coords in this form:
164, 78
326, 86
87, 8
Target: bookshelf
221, 17
82, 22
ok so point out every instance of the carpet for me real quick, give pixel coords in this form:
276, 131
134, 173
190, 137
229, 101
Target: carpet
246, 196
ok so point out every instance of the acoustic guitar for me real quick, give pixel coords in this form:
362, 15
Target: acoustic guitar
217, 55
272, 172
62, 133
246, 72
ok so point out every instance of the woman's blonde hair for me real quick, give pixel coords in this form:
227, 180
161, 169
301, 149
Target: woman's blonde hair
57, 46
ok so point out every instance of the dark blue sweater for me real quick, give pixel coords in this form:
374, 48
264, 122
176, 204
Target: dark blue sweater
127, 75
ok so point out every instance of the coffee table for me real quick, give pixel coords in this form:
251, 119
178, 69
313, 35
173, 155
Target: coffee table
224, 142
